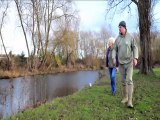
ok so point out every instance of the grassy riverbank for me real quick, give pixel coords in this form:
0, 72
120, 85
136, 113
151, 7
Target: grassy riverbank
94, 103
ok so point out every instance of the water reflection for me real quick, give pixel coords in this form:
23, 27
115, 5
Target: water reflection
20, 93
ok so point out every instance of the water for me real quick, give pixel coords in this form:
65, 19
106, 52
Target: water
23, 92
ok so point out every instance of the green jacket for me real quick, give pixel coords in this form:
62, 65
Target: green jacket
126, 48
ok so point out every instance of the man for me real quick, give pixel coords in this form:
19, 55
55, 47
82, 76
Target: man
127, 50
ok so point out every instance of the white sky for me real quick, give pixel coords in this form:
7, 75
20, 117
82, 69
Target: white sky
12, 33
92, 15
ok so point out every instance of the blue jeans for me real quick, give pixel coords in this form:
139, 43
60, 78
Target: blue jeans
112, 74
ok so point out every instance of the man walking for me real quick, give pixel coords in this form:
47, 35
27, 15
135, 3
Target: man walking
127, 50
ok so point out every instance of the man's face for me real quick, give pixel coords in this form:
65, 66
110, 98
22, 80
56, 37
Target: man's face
122, 30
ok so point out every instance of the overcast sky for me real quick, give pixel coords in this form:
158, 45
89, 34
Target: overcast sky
93, 17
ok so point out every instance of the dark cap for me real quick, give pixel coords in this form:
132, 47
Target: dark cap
123, 24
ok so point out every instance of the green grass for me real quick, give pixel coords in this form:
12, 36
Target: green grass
94, 103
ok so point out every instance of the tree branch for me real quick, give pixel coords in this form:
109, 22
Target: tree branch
127, 6
114, 5
135, 1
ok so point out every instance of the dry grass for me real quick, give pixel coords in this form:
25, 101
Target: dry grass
12, 74
21, 72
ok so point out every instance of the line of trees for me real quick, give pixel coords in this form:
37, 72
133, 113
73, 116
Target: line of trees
52, 36
53, 39
42, 19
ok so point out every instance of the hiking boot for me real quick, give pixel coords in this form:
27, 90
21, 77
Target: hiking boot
130, 93
125, 94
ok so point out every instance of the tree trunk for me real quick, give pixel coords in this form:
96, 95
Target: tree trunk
144, 10
24, 32
20, 17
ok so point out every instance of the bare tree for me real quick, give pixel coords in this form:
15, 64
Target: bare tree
91, 48
19, 9
66, 34
84, 43
144, 11
39, 18
155, 46
104, 37
65, 43
4, 13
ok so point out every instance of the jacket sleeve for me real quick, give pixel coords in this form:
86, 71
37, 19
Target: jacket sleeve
117, 63
134, 48
107, 57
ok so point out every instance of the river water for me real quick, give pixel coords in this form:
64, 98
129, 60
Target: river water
21, 93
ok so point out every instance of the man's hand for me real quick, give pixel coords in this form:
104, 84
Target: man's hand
135, 62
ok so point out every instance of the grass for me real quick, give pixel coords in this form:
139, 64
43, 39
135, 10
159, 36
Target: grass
94, 103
